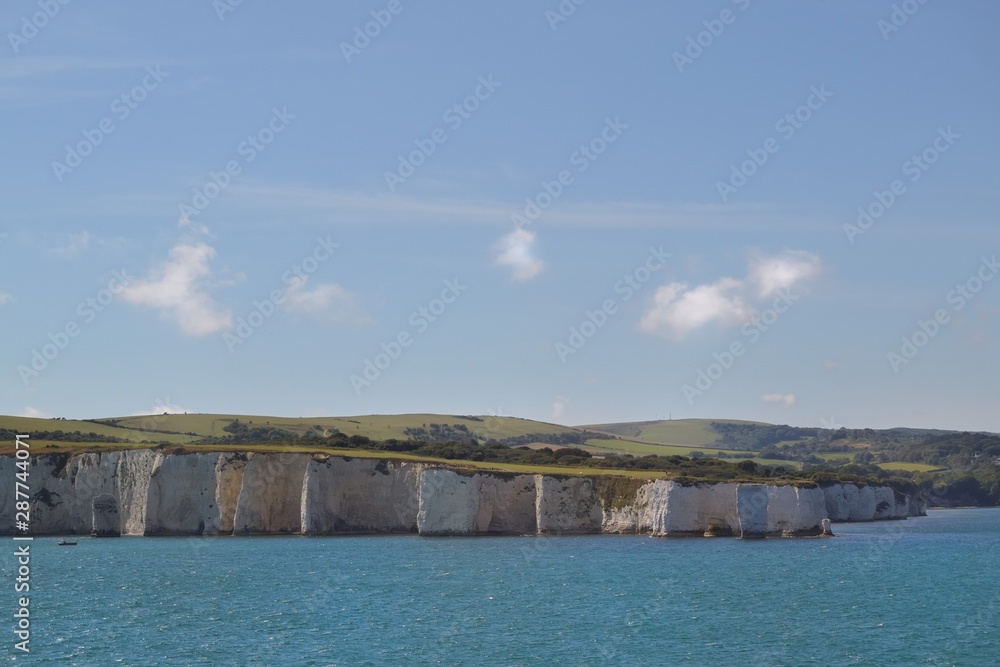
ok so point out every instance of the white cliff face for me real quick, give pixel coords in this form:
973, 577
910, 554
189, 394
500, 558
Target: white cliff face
8, 510
566, 505
147, 492
666, 508
360, 496
270, 499
621, 520
135, 467
92, 475
64, 490
229, 469
812, 510
648, 514
838, 506
654, 507
782, 509
181, 498
694, 509
849, 502
795, 511
885, 503
863, 507
481, 504
106, 519
752, 508
449, 503
507, 505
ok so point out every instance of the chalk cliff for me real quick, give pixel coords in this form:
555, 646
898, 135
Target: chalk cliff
666, 508
270, 500
107, 519
567, 505
359, 496
188, 508
148, 492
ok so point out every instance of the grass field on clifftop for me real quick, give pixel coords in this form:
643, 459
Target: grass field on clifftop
694, 433
185, 428
681, 437
376, 427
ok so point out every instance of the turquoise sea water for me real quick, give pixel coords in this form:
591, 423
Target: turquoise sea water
918, 592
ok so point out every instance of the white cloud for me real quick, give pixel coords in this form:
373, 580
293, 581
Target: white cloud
677, 311
783, 399
329, 300
74, 245
770, 274
5, 297
374, 208
559, 407
184, 222
177, 289
517, 251
163, 407
831, 365
34, 412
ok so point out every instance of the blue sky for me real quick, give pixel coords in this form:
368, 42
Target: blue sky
574, 213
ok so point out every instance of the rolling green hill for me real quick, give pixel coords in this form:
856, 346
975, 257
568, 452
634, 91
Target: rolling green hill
952, 467
376, 427
696, 433
188, 428
71, 426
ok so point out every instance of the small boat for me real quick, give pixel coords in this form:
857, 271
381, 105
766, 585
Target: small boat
66, 543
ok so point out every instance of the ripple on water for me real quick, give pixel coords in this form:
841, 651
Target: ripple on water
859, 599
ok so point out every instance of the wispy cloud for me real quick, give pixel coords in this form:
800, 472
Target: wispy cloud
34, 413
5, 297
782, 399
559, 407
770, 274
367, 207
328, 301
258, 201
177, 288
517, 250
677, 310
161, 408
73, 245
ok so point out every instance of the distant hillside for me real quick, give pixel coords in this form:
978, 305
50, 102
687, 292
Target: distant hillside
689, 432
953, 468
191, 428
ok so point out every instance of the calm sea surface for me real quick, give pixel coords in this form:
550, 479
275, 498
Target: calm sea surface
918, 592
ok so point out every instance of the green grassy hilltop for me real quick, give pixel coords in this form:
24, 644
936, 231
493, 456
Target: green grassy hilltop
963, 468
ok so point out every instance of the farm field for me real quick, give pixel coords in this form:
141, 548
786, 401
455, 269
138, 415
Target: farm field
696, 433
637, 448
